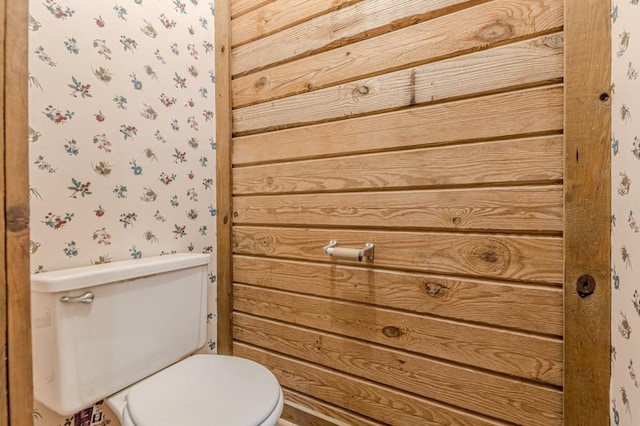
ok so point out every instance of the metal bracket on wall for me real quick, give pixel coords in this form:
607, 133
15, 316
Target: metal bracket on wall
349, 253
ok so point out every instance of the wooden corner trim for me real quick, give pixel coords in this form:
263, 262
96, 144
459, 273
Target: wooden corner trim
587, 182
223, 174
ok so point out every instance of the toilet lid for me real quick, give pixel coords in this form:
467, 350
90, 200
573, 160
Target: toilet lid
205, 390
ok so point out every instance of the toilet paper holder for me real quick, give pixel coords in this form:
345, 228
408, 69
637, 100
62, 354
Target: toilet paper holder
356, 254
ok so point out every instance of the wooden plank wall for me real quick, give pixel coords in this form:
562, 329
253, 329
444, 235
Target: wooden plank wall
433, 130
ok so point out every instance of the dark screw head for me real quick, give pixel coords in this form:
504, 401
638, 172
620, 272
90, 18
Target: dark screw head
586, 285
604, 97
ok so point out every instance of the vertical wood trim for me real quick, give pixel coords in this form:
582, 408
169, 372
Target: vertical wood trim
17, 214
4, 401
223, 173
587, 210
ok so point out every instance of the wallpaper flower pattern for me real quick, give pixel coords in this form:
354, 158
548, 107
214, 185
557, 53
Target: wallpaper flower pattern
122, 153
625, 213
122, 148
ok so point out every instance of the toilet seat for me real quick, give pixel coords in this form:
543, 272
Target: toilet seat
205, 390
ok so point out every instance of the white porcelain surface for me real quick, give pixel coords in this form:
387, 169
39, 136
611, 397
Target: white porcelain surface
91, 276
206, 390
134, 327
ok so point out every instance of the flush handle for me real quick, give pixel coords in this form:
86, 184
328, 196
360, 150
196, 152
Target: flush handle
84, 299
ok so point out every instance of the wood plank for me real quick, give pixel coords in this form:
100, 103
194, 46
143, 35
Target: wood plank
4, 368
500, 397
534, 309
278, 15
517, 354
16, 119
588, 201
295, 416
520, 113
476, 28
514, 65
521, 160
370, 399
335, 415
518, 258
240, 7
223, 178
515, 209
299, 415
365, 19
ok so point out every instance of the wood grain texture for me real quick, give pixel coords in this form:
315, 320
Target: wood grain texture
296, 415
396, 128
279, 15
533, 309
336, 415
369, 399
4, 368
500, 397
528, 356
515, 65
17, 214
516, 161
588, 201
522, 209
239, 7
518, 258
282, 422
518, 113
461, 32
223, 178
364, 19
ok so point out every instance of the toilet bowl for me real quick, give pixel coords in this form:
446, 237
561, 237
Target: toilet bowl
202, 390
126, 332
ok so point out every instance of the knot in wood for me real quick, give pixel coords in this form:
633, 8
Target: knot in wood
491, 256
361, 91
18, 217
260, 83
391, 331
264, 18
495, 31
434, 290
553, 41
264, 241
269, 180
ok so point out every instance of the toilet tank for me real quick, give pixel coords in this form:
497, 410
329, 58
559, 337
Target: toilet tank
144, 315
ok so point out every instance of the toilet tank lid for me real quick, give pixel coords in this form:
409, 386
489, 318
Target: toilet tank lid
93, 275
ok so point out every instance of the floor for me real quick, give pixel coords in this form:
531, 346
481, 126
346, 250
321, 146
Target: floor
282, 422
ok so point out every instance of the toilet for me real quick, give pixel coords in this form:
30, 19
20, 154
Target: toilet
126, 333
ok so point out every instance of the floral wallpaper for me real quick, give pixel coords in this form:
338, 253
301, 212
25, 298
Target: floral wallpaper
122, 148
625, 212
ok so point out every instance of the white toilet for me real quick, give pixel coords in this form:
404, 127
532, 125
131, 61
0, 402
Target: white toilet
125, 332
